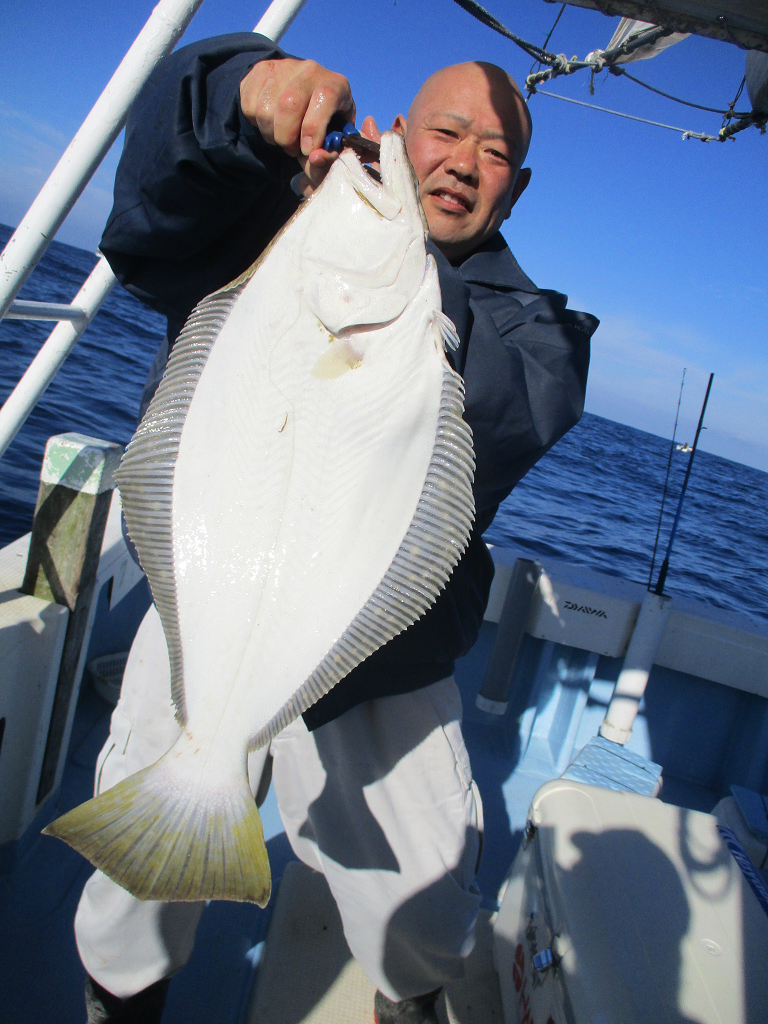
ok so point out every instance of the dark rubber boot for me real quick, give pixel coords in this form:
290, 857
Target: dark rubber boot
419, 1010
146, 1007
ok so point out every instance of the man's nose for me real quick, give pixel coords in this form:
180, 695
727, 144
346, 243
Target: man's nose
463, 160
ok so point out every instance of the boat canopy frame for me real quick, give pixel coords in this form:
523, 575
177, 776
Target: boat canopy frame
165, 26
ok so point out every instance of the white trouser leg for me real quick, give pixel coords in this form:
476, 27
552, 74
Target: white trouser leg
127, 944
381, 800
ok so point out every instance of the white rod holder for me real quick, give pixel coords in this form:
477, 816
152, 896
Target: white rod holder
638, 662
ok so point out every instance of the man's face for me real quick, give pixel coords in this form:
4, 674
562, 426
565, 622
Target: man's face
466, 140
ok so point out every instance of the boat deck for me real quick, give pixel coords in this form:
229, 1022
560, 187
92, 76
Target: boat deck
705, 735
42, 978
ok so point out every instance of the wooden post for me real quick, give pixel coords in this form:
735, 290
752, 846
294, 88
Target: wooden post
76, 487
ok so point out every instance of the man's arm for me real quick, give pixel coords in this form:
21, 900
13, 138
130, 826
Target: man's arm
204, 180
525, 388
525, 378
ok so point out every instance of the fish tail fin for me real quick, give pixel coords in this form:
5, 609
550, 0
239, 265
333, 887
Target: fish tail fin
162, 837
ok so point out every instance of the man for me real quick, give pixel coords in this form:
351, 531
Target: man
373, 784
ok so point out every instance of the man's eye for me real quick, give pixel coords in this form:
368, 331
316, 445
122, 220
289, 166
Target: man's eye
497, 155
447, 131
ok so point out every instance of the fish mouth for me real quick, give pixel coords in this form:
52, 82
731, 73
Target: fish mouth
372, 190
395, 189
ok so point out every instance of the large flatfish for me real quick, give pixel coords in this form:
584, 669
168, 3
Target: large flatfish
299, 491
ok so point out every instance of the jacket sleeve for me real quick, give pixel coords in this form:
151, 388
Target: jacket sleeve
525, 377
198, 193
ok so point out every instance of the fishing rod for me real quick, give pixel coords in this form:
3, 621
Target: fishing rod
666, 482
659, 588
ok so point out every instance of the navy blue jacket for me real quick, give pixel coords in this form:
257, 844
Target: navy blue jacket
199, 194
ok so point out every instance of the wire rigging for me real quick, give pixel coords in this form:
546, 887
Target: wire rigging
698, 106
537, 63
686, 134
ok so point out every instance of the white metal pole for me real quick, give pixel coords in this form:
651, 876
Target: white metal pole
46, 363
86, 150
277, 18
22, 310
83, 155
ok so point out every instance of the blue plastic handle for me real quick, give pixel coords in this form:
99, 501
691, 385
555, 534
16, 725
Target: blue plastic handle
333, 139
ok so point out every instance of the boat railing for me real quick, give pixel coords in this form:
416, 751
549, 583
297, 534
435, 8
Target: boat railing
164, 28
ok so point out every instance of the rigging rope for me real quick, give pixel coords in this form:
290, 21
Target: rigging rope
487, 19
549, 36
599, 60
633, 117
733, 103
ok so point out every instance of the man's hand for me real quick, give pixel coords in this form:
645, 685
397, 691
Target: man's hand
291, 102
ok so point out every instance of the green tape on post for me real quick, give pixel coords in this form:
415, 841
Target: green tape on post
76, 484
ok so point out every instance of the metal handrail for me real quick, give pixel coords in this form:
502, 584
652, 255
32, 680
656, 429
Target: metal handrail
23, 310
72, 173
48, 360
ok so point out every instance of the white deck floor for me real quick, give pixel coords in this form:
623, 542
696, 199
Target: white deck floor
307, 974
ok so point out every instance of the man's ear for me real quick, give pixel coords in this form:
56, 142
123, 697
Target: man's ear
399, 124
521, 184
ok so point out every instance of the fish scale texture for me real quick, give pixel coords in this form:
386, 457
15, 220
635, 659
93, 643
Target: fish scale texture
145, 476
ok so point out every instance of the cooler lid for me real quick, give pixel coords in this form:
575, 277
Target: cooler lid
655, 920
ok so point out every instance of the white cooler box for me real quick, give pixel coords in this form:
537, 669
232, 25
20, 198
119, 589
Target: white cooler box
623, 910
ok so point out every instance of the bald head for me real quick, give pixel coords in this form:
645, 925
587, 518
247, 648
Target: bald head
467, 135
502, 92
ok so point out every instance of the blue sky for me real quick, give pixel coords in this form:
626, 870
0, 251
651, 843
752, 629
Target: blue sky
664, 240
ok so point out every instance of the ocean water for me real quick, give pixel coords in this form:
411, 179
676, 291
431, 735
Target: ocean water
594, 500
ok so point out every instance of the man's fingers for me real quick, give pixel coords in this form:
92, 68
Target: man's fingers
260, 91
291, 102
328, 98
314, 169
317, 165
301, 185
289, 114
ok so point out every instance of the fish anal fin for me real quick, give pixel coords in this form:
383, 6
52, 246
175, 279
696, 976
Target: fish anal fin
162, 837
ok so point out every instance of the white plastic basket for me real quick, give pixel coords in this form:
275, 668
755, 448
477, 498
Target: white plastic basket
107, 674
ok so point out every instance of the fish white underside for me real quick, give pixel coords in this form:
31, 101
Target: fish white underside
287, 512
299, 492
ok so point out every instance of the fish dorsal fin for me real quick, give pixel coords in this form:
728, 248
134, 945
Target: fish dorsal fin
433, 544
145, 477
